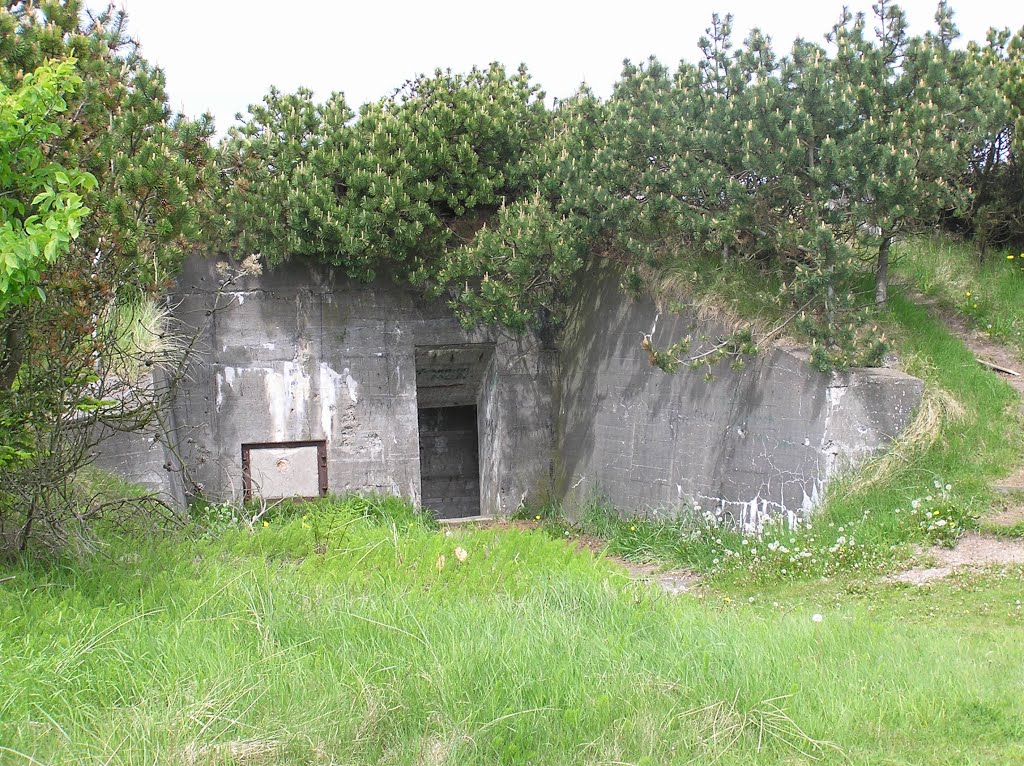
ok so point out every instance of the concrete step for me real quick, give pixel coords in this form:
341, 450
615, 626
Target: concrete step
466, 520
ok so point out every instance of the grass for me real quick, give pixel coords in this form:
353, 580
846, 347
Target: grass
353, 632
143, 334
986, 290
739, 293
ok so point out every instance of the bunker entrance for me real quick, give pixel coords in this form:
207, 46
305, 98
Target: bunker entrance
449, 463
448, 384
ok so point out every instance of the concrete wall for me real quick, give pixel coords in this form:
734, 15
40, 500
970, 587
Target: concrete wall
141, 457
762, 440
302, 354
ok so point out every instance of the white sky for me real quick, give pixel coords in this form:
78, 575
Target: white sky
222, 55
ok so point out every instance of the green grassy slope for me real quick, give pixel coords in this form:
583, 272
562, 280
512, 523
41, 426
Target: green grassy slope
986, 290
338, 638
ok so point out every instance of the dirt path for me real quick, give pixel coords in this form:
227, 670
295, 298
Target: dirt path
972, 551
980, 549
674, 582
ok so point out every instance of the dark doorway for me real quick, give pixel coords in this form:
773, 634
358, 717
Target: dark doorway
449, 461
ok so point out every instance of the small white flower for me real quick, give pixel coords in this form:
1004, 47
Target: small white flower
461, 555
817, 618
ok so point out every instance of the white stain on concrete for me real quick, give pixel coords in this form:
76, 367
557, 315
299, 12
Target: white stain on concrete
330, 381
811, 501
353, 386
225, 377
834, 395
287, 392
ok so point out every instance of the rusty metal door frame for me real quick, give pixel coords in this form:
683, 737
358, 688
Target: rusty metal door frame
321, 462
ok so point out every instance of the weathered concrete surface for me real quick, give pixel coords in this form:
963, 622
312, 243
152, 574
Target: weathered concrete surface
301, 353
143, 458
760, 441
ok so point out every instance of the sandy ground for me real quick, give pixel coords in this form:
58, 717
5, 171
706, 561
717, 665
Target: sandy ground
971, 552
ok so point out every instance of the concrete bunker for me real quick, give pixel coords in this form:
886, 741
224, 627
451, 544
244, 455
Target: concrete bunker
449, 386
312, 384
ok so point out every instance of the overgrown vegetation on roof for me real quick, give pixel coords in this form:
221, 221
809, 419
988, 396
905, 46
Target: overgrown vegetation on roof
809, 163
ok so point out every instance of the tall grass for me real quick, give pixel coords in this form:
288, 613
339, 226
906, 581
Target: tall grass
347, 637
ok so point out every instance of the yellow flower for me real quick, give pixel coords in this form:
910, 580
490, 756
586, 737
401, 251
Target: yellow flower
1009, 257
537, 517
266, 523
968, 293
632, 529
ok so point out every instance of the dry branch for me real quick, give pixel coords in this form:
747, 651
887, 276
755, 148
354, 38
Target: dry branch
996, 367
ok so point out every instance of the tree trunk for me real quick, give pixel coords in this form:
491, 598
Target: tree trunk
27, 529
12, 352
882, 272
